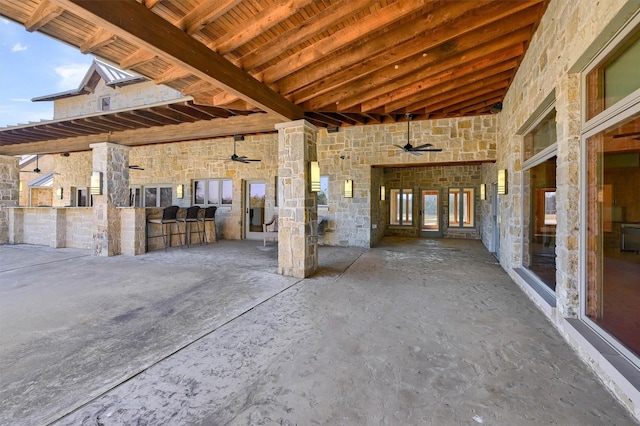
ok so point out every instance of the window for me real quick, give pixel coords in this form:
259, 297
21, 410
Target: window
213, 192
323, 194
461, 207
401, 207
135, 198
84, 198
614, 78
541, 137
104, 103
158, 196
539, 148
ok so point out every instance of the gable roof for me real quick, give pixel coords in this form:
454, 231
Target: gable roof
112, 76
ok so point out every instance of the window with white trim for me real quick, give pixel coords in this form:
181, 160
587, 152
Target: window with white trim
213, 192
158, 196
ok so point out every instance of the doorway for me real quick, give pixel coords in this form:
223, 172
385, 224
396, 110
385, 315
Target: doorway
496, 221
430, 208
255, 208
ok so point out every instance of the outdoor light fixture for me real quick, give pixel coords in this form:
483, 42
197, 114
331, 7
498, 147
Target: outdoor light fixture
315, 176
502, 181
59, 193
383, 193
348, 188
180, 191
238, 138
332, 129
483, 191
20, 189
96, 183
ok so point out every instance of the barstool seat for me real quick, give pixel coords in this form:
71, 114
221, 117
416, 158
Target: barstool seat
209, 216
169, 217
190, 218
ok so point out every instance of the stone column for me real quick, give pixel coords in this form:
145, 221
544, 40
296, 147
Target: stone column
568, 196
298, 213
9, 192
112, 161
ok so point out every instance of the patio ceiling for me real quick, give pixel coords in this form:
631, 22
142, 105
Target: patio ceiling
334, 63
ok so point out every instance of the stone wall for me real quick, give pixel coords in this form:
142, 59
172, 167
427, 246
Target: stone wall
442, 177
9, 192
566, 33
145, 93
350, 154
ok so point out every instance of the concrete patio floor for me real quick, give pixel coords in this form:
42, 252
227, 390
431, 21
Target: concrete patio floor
414, 331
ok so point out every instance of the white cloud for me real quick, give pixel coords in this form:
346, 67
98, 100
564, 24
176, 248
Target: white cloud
19, 47
71, 75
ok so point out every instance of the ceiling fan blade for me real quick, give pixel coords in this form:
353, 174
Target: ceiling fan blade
428, 150
416, 153
136, 167
422, 146
401, 147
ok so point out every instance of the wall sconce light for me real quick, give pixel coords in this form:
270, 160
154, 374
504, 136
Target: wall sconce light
59, 193
483, 191
96, 183
502, 181
180, 191
20, 189
348, 188
315, 176
332, 129
383, 193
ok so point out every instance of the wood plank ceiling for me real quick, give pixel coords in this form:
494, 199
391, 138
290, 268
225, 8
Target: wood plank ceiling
333, 62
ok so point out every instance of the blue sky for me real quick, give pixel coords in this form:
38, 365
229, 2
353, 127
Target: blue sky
32, 65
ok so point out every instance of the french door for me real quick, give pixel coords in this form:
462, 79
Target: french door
430, 213
255, 193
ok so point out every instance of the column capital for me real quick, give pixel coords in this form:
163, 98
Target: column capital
109, 145
297, 123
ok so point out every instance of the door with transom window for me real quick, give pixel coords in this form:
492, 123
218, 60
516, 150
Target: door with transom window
430, 209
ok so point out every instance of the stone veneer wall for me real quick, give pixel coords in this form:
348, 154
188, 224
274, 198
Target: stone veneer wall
487, 225
350, 154
121, 97
443, 177
565, 34
9, 192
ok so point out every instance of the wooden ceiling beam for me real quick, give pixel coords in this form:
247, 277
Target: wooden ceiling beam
191, 112
408, 86
205, 13
323, 118
212, 111
148, 114
90, 126
98, 39
44, 13
318, 23
172, 74
340, 39
370, 77
257, 24
440, 25
468, 91
398, 101
200, 86
480, 105
137, 58
254, 123
136, 24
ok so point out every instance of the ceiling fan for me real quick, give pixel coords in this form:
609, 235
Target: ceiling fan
37, 169
416, 150
136, 167
240, 158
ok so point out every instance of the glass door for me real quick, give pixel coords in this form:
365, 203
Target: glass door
254, 210
430, 223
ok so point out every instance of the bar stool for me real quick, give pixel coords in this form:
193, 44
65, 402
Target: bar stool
169, 217
209, 216
190, 218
